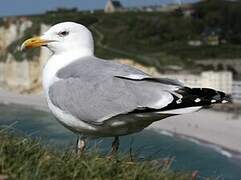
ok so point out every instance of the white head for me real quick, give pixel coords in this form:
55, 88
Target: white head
64, 37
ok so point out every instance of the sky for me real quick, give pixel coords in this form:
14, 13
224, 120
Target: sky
25, 7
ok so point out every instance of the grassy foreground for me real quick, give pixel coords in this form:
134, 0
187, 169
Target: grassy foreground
22, 158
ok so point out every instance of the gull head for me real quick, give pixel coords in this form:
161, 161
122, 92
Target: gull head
64, 37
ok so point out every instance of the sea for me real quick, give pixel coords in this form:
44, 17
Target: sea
187, 154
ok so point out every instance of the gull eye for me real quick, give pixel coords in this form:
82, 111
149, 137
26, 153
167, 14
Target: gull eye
63, 33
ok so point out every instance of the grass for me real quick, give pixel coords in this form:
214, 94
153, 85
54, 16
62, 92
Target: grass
23, 158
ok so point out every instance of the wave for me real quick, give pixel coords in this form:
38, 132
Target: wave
223, 151
219, 149
167, 133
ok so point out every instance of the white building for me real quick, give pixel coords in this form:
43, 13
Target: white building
221, 80
113, 6
218, 80
188, 79
236, 91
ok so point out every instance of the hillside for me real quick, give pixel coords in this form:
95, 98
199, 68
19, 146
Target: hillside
22, 158
155, 38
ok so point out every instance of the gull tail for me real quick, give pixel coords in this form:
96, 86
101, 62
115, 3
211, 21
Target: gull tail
188, 100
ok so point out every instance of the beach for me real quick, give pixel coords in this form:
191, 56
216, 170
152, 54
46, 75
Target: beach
32, 100
215, 127
219, 128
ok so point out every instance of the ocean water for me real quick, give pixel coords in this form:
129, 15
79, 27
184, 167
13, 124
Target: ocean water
147, 145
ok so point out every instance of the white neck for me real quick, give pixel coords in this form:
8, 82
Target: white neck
58, 61
73, 54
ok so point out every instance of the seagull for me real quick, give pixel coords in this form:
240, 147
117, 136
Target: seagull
94, 97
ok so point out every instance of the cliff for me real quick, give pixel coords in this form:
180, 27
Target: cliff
20, 71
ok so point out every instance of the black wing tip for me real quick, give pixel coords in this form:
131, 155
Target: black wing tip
202, 97
226, 98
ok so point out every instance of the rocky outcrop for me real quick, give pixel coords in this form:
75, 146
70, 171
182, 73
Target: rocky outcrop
19, 74
12, 29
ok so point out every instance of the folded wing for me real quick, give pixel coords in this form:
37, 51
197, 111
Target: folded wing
100, 100
94, 90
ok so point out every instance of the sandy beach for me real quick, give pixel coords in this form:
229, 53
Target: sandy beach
35, 101
220, 128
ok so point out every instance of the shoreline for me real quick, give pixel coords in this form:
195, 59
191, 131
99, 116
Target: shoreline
217, 130
36, 101
211, 128
230, 153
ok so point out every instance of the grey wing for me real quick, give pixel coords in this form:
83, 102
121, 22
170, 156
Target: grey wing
94, 90
92, 67
96, 101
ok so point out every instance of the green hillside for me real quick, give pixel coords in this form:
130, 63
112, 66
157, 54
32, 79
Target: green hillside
155, 38
22, 158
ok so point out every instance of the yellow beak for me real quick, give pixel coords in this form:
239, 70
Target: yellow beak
34, 42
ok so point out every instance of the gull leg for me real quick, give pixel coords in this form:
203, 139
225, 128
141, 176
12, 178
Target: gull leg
131, 155
115, 145
80, 145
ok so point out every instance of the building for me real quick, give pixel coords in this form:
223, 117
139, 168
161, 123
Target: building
195, 43
188, 79
116, 6
236, 91
221, 80
218, 80
113, 6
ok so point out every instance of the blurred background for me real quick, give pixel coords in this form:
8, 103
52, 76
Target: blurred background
196, 42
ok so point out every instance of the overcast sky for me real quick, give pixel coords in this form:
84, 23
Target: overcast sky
22, 7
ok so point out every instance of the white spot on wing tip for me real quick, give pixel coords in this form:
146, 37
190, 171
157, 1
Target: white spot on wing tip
224, 101
197, 100
213, 101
